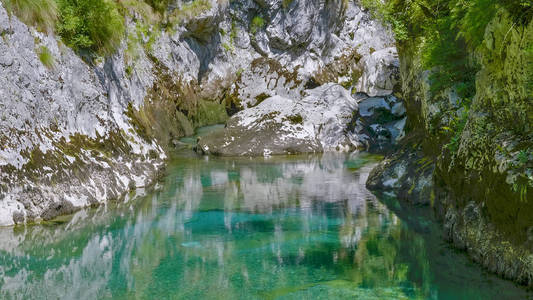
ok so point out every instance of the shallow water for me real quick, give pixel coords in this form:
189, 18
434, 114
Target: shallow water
300, 227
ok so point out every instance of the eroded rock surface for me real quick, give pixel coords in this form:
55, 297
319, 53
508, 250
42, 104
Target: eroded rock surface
75, 134
309, 50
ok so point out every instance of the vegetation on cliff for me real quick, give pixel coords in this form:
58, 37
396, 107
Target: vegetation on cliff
466, 71
96, 27
447, 32
90, 25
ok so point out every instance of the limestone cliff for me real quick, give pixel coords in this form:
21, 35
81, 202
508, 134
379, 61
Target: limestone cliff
78, 131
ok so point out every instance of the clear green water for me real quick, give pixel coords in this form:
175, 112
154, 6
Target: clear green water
301, 227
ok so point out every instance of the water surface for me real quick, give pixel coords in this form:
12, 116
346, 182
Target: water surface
299, 227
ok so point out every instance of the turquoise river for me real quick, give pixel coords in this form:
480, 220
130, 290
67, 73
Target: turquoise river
295, 227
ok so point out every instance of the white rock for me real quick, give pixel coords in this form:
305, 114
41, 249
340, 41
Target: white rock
380, 74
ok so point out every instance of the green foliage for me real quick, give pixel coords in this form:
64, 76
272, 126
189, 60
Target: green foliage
473, 17
523, 156
446, 31
46, 57
385, 11
90, 26
39, 13
449, 59
257, 23
457, 126
159, 6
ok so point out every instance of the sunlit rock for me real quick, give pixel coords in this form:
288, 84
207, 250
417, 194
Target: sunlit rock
280, 125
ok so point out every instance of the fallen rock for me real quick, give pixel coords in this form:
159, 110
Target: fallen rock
279, 125
379, 122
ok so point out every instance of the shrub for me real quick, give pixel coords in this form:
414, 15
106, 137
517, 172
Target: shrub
473, 18
90, 26
39, 13
159, 6
46, 57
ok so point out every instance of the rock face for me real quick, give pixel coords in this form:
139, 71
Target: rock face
288, 98
65, 141
478, 182
74, 134
380, 72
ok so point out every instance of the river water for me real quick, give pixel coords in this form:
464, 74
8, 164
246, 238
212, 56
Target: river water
295, 227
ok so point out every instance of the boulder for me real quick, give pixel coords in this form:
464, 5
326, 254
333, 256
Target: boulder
279, 125
379, 122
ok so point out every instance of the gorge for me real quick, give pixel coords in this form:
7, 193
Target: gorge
114, 183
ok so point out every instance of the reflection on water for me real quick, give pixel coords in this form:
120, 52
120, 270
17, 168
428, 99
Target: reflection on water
284, 227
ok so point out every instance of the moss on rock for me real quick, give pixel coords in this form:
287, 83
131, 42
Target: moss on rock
476, 146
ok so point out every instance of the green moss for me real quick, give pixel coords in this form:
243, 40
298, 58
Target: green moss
296, 119
257, 24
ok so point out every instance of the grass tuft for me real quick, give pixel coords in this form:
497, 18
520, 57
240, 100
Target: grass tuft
39, 13
46, 57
